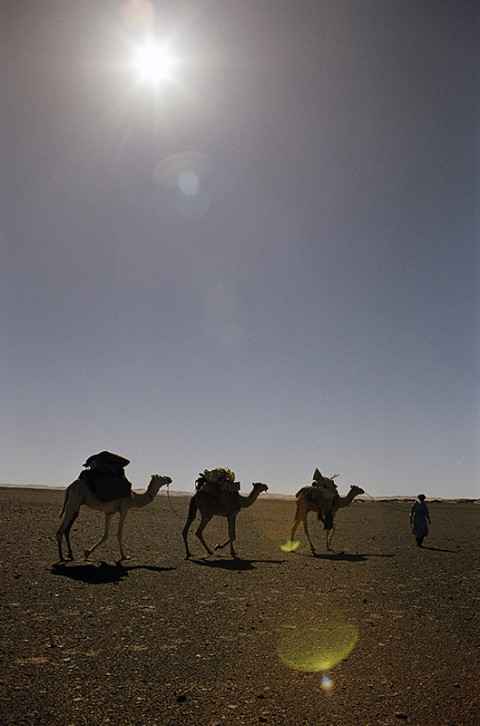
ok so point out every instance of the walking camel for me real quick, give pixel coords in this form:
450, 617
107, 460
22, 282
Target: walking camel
78, 493
325, 506
220, 504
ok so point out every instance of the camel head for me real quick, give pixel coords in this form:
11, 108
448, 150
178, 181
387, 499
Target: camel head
355, 490
159, 481
258, 486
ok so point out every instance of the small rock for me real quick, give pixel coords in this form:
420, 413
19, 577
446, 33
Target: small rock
181, 699
401, 715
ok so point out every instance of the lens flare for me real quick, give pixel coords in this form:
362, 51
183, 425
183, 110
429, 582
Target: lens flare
290, 545
327, 683
137, 14
183, 171
317, 646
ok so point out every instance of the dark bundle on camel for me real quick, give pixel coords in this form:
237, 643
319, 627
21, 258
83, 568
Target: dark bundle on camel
105, 476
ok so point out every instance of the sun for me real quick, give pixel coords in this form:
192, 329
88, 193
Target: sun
154, 63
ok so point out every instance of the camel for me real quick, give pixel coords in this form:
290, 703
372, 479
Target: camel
78, 493
326, 508
221, 504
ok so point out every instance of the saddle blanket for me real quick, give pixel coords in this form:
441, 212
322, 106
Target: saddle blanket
107, 487
220, 486
312, 493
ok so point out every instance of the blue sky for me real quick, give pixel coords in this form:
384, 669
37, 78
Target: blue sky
267, 262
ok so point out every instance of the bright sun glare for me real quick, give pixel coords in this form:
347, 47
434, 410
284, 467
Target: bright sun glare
154, 63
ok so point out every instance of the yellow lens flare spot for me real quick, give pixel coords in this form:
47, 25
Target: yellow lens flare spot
290, 545
317, 646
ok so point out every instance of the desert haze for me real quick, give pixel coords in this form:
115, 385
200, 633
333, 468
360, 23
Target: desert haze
378, 632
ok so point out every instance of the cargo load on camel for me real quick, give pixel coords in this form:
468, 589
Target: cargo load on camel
212, 481
321, 486
323, 489
105, 476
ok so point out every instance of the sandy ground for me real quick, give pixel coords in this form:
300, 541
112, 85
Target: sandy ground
160, 640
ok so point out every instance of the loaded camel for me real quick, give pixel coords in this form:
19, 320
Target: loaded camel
218, 503
78, 493
325, 501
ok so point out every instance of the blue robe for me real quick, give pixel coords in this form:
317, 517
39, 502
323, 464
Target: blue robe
419, 512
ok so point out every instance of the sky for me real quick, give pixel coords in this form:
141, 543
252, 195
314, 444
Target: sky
266, 259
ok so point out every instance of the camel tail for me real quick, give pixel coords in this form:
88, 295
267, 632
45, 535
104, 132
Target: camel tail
64, 501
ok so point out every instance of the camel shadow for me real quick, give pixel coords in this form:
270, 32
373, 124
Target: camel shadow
236, 564
100, 574
344, 557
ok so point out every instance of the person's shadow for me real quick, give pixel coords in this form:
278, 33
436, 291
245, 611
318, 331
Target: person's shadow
102, 573
236, 564
340, 556
439, 549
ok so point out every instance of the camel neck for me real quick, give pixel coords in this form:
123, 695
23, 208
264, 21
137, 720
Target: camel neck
250, 498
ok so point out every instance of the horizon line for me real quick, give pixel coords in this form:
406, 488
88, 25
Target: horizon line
275, 495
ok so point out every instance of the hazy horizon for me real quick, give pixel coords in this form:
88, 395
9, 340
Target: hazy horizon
275, 495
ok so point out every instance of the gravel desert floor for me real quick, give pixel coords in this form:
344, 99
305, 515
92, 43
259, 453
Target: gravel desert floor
377, 632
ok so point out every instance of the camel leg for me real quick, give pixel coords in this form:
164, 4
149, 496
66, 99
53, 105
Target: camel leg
305, 527
67, 536
59, 543
329, 538
296, 524
203, 523
64, 530
121, 522
232, 534
298, 519
185, 535
221, 546
231, 537
103, 538
301, 517
192, 513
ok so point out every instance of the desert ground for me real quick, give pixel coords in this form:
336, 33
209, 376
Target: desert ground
214, 640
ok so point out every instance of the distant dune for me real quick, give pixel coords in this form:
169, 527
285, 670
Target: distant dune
274, 495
